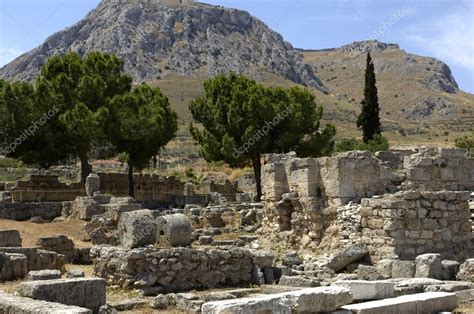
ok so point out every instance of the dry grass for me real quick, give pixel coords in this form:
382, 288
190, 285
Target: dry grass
30, 232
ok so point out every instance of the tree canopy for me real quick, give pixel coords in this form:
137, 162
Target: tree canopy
138, 123
77, 88
369, 118
240, 120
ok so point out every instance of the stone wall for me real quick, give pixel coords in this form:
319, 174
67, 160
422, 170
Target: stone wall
314, 203
45, 188
439, 169
150, 190
26, 211
179, 269
411, 223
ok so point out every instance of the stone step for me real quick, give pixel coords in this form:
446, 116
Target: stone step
10, 303
321, 299
368, 290
428, 302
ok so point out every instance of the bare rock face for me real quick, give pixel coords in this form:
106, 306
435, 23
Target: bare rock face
168, 37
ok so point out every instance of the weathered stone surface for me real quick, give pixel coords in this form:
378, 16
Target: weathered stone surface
45, 274
176, 229
466, 272
291, 258
365, 272
403, 269
85, 208
450, 269
60, 244
10, 238
321, 299
430, 302
13, 266
83, 292
137, 228
368, 290
414, 285
351, 254
92, 184
38, 259
429, 266
175, 269
10, 303
298, 281
75, 273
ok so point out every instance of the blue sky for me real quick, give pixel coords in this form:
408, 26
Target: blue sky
439, 28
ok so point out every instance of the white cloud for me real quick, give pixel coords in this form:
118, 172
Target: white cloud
8, 54
450, 39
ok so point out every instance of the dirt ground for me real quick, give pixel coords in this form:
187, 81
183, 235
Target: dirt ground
30, 232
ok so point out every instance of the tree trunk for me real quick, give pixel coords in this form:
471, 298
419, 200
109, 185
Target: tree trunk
257, 170
84, 166
131, 185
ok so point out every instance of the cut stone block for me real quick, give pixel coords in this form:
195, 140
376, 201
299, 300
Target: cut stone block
347, 256
429, 302
321, 299
429, 266
368, 290
137, 228
298, 281
176, 229
15, 304
10, 238
403, 269
45, 274
83, 292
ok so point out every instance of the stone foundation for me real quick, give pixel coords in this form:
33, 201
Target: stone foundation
179, 269
315, 203
26, 211
411, 223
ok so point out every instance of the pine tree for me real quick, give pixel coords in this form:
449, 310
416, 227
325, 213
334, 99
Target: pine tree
369, 119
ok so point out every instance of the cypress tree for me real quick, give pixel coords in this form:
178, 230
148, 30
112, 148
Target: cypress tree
369, 119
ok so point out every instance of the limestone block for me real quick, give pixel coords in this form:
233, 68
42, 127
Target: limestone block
298, 281
347, 256
429, 266
368, 290
403, 269
92, 184
83, 292
10, 238
176, 229
45, 274
10, 303
137, 228
320, 299
466, 272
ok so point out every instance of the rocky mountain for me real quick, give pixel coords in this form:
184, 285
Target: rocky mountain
181, 37
176, 44
410, 87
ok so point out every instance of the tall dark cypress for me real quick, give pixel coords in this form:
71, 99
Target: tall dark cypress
369, 118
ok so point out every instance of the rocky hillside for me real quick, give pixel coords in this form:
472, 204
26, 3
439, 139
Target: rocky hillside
410, 87
178, 37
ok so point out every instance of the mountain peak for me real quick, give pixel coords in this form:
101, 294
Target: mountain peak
367, 46
180, 37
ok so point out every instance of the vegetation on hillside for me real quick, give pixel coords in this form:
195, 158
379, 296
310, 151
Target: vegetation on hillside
466, 141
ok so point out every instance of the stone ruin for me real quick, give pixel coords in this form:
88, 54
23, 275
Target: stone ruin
354, 197
353, 233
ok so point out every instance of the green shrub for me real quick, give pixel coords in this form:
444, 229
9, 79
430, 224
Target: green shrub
378, 143
466, 141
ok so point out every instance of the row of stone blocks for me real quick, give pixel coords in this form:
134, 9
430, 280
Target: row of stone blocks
337, 299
